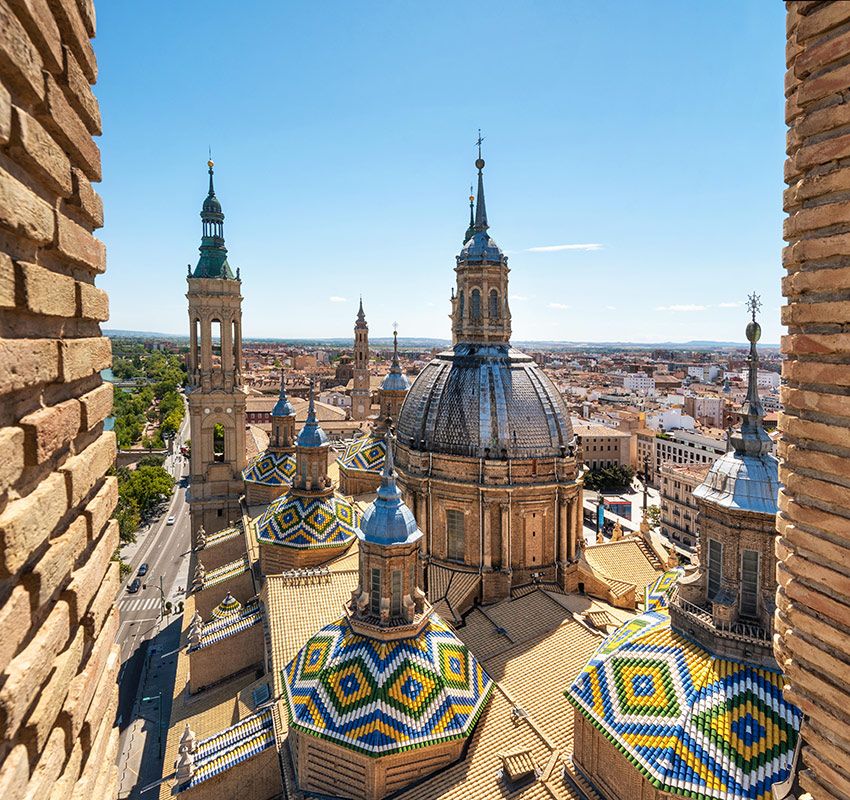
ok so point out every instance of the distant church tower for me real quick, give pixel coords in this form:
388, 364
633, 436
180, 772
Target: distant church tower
216, 398
361, 394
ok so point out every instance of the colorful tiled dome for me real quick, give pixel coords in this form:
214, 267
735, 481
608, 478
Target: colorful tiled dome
271, 469
380, 697
309, 522
366, 454
693, 723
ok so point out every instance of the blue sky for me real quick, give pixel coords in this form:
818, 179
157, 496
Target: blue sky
650, 133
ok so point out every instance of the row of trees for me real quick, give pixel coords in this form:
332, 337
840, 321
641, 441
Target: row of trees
140, 491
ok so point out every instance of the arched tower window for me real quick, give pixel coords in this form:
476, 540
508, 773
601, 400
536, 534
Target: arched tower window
215, 338
196, 354
455, 542
375, 593
218, 442
461, 304
494, 304
475, 304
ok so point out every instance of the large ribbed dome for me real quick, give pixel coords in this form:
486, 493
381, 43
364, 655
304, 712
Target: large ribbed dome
485, 397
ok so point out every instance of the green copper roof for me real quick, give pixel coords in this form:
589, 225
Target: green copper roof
213, 260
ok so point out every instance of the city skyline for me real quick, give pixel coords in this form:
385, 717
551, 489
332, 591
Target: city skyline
329, 194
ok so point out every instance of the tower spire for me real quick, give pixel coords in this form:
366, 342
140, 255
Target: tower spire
471, 229
480, 207
213, 260
752, 438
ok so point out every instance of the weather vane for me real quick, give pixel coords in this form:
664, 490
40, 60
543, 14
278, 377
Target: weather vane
478, 142
753, 304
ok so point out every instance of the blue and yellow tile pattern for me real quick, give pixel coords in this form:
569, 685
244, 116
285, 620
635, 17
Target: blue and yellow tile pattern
657, 594
271, 469
366, 454
382, 697
304, 522
693, 723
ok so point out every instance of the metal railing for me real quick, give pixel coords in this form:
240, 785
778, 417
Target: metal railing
743, 631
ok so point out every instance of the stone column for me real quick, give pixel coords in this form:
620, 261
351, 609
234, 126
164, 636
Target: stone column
506, 536
487, 563
563, 524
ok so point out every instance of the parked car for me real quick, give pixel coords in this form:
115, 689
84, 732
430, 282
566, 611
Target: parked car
143, 569
134, 586
170, 521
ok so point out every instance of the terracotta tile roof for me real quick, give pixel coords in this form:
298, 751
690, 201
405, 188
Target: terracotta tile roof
452, 590
625, 561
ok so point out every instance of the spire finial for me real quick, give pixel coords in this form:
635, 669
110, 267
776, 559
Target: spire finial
311, 408
471, 229
480, 207
211, 164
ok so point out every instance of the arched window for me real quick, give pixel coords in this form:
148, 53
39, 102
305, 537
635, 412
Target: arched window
215, 339
196, 354
461, 304
494, 304
218, 442
235, 342
375, 593
454, 535
475, 303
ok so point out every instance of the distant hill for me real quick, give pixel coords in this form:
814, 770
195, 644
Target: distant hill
427, 344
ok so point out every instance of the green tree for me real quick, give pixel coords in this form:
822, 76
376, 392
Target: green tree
653, 516
146, 485
128, 516
613, 478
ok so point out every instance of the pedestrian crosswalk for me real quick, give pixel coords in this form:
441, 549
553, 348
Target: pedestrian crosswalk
128, 605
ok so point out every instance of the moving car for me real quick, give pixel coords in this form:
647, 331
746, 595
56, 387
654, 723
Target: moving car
134, 586
143, 569
170, 521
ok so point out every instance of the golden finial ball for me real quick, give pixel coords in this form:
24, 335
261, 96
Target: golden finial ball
479, 163
471, 197
210, 163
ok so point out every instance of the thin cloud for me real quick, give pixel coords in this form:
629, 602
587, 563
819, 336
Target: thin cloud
557, 248
337, 299
681, 307
611, 308
518, 297
559, 306
729, 305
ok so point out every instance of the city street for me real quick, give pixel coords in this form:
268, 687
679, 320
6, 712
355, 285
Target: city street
146, 678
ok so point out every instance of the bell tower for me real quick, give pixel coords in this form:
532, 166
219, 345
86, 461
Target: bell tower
361, 393
216, 398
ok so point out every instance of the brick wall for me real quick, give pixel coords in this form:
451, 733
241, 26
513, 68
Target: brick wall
813, 616
58, 663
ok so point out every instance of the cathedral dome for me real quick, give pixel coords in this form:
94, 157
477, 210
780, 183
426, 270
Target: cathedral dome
742, 481
306, 523
485, 400
381, 697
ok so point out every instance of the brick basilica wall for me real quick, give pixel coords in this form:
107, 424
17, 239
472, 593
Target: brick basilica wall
813, 602
58, 660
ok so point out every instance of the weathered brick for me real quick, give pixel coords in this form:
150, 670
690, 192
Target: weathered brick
15, 620
45, 292
818, 186
821, 247
77, 244
104, 600
57, 115
83, 357
65, 782
808, 313
88, 200
50, 429
83, 471
98, 738
35, 16
835, 405
5, 115
28, 671
41, 720
12, 462
808, 219
822, 19
7, 282
86, 579
27, 362
88, 15
101, 506
26, 523
817, 344
93, 302
823, 491
23, 212
816, 280
83, 686
53, 569
817, 56
811, 372
833, 82
97, 405
823, 152
34, 148
103, 693
815, 431
15, 773
74, 32
49, 765
20, 62
80, 93
821, 120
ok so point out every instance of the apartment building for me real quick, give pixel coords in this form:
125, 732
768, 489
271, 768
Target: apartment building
678, 507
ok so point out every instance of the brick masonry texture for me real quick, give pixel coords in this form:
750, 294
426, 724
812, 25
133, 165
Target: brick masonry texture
813, 547
58, 659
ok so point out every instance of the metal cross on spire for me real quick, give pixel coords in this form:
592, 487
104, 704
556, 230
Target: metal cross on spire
478, 142
754, 304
